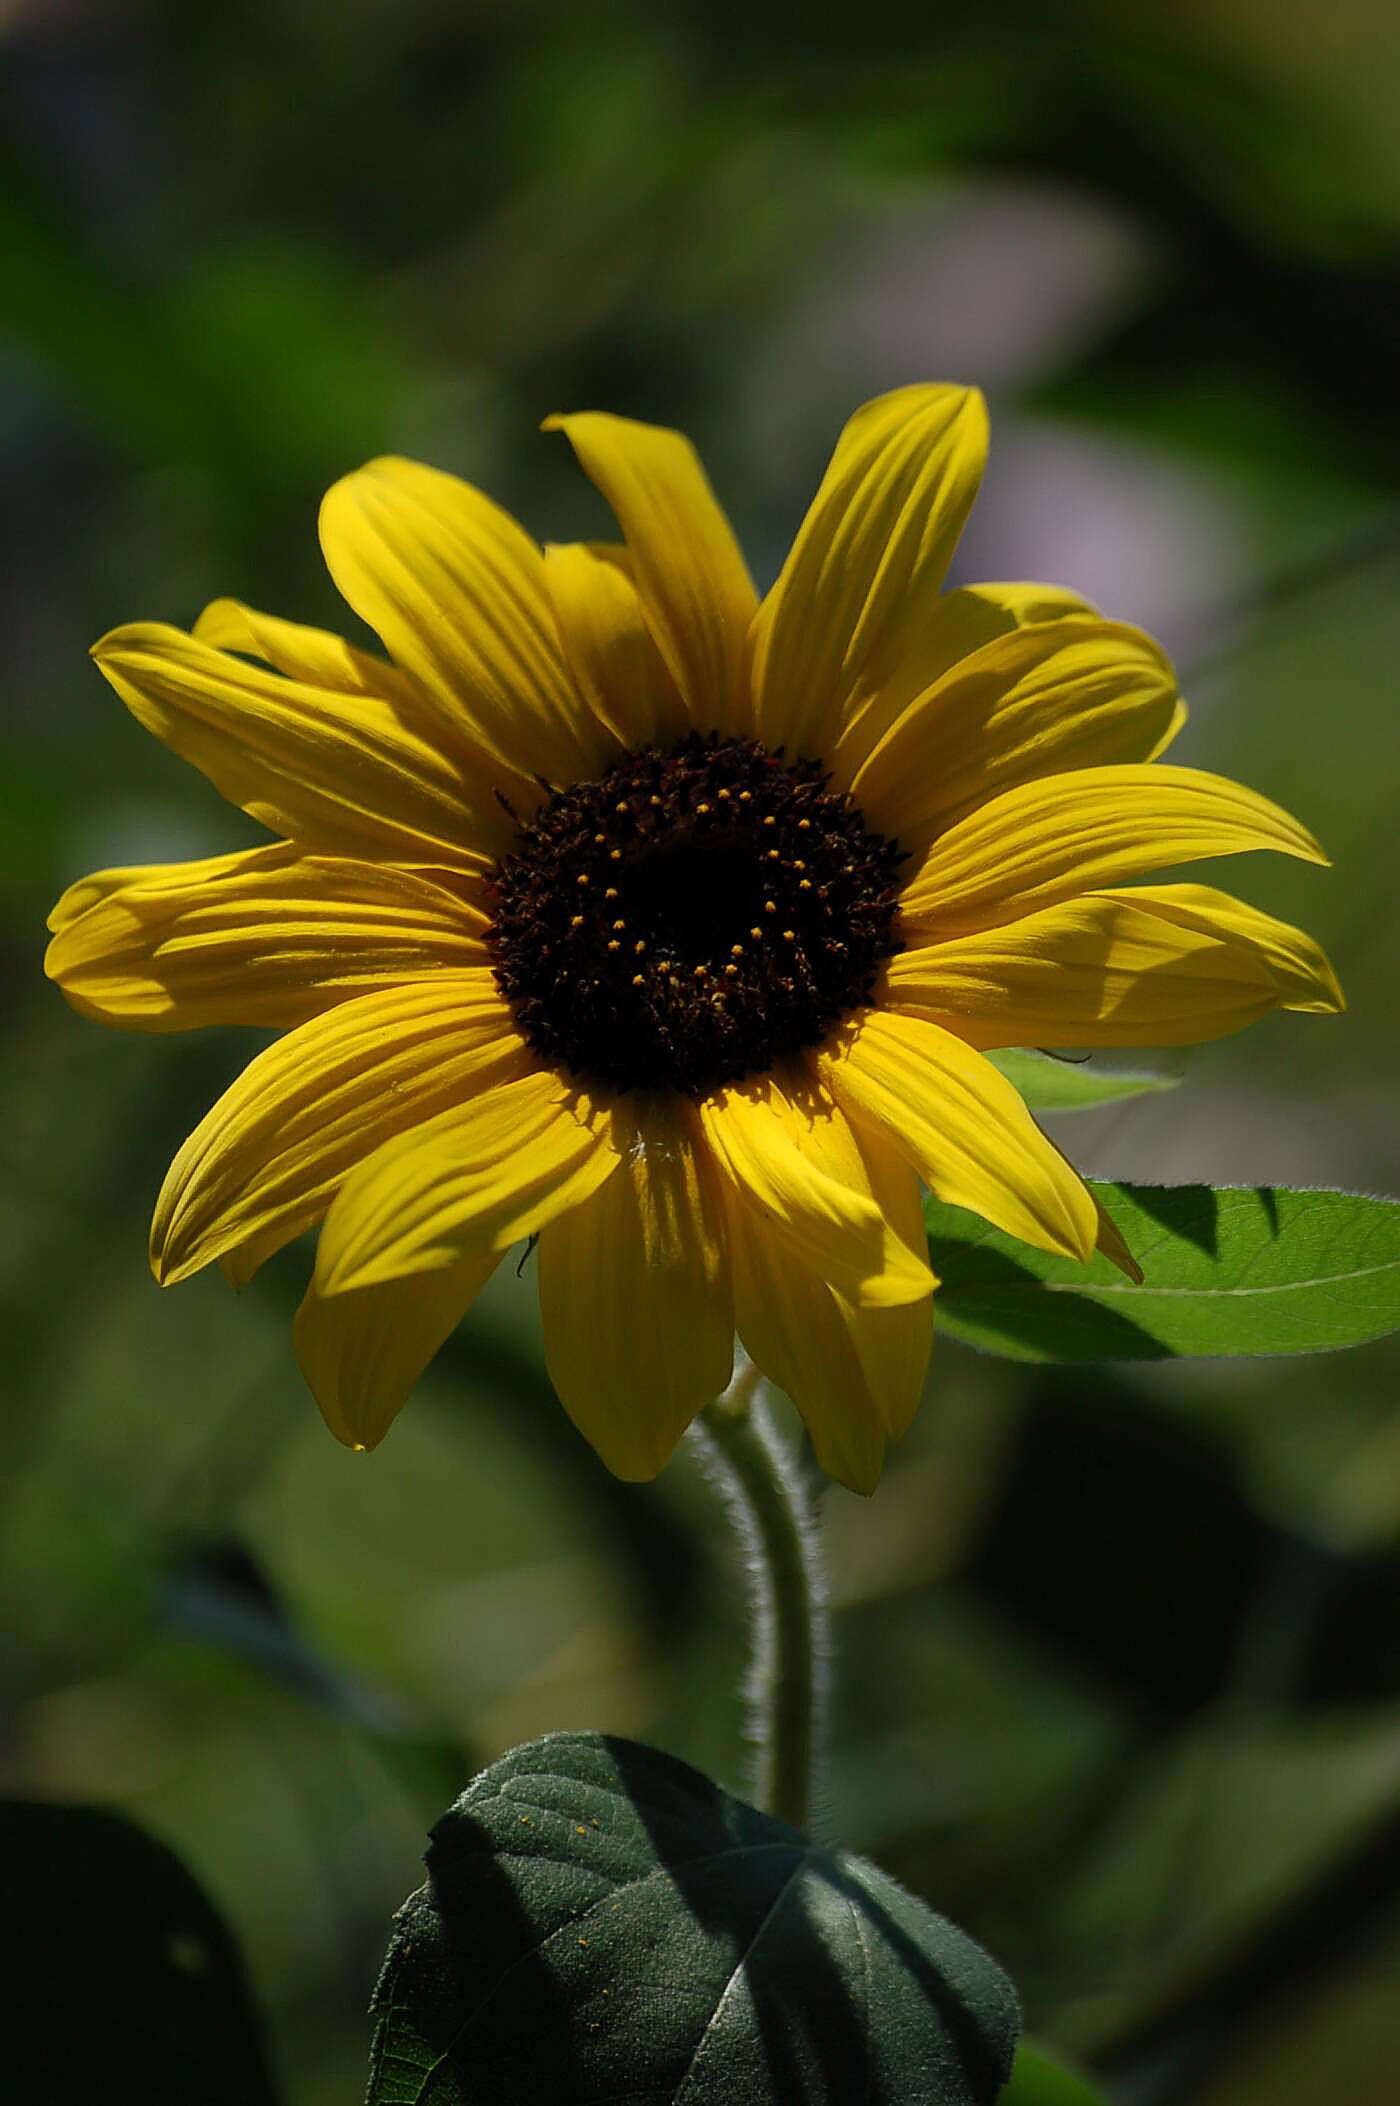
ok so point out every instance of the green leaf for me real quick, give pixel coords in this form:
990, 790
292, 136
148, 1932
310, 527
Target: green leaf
1226, 1270
123, 1982
1038, 2080
1064, 1085
602, 1922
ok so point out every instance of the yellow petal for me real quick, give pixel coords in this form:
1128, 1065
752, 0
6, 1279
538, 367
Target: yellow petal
793, 1155
1108, 1237
868, 557
611, 652
457, 592
893, 1345
1050, 840
690, 575
1135, 968
855, 1374
1023, 605
635, 1296
87, 892
264, 1164
944, 629
962, 1126
1109, 1243
240, 1264
268, 936
795, 1331
1052, 696
1300, 969
478, 1177
346, 774
315, 656
362, 1353
1174, 724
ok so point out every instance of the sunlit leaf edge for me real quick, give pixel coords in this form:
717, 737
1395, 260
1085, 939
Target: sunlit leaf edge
1339, 1285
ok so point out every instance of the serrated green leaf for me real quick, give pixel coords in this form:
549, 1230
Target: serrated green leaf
1227, 1270
1038, 2080
1062, 1085
601, 1922
123, 1981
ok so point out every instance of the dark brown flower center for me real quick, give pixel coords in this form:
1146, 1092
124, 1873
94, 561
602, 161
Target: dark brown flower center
691, 916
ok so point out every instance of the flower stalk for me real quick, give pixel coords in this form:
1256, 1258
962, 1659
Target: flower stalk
752, 1465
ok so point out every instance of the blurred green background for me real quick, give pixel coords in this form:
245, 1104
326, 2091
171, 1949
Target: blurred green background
1119, 1660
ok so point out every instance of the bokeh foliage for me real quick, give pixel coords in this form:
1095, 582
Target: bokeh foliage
1120, 1689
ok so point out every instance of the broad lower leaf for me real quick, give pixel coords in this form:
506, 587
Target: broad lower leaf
1226, 1270
1038, 2080
122, 1981
1050, 1085
602, 1923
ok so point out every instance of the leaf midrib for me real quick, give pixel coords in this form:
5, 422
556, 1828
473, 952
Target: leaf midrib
951, 1289
660, 1869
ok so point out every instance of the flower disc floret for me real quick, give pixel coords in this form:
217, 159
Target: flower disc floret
692, 916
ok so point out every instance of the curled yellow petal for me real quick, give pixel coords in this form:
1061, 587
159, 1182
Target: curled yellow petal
1049, 840
893, 1345
1054, 695
99, 886
855, 1373
269, 936
613, 656
1109, 1243
962, 1126
791, 1151
341, 773
689, 572
795, 1332
940, 632
1301, 971
1150, 966
635, 1295
315, 656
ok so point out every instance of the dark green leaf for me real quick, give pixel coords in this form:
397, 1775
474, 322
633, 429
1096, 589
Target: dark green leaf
1065, 1085
1037, 2080
1256, 1269
602, 1922
123, 1981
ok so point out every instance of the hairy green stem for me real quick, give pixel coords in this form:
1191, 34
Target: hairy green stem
753, 1466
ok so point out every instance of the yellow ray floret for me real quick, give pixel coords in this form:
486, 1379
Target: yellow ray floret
268, 936
635, 1267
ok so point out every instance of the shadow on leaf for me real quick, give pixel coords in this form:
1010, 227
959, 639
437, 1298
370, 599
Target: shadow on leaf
601, 1921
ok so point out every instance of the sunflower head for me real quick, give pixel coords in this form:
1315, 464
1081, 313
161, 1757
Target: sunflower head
620, 908
692, 916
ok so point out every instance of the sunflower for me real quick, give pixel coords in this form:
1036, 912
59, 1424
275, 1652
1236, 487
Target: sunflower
624, 909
